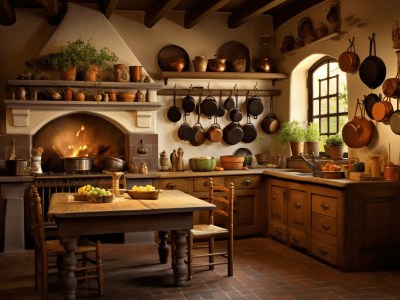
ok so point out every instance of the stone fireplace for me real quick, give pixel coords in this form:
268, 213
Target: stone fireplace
34, 123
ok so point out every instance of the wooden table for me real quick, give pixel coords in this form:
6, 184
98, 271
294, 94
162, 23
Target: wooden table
172, 211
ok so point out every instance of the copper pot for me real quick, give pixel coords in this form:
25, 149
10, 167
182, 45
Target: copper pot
358, 132
382, 110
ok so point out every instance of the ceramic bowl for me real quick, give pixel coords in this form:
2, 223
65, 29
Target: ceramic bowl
126, 97
202, 164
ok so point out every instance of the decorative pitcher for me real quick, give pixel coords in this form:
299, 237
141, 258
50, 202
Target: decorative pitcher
376, 165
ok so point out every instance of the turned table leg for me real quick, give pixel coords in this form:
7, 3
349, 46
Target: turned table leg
179, 267
69, 264
163, 249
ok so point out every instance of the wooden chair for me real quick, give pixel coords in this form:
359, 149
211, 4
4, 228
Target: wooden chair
223, 198
49, 253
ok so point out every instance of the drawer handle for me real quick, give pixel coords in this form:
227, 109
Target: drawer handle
247, 182
323, 251
325, 206
297, 204
171, 186
325, 226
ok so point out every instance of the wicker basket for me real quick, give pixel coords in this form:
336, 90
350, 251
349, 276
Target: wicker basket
396, 35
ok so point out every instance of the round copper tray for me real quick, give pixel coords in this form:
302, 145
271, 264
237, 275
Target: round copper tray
172, 52
234, 50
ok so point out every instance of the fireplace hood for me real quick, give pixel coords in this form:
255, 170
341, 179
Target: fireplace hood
27, 117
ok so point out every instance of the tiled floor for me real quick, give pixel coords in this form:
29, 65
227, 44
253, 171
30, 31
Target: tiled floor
264, 269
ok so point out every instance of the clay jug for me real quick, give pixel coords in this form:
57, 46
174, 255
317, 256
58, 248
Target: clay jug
376, 165
121, 73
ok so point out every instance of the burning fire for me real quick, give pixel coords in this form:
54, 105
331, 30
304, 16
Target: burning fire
75, 145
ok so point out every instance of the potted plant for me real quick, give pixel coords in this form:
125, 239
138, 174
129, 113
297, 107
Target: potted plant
334, 146
291, 132
312, 138
79, 56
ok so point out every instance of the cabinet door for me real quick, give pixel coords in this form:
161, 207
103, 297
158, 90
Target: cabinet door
297, 209
278, 208
247, 212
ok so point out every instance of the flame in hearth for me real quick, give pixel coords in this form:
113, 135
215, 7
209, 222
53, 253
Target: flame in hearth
75, 144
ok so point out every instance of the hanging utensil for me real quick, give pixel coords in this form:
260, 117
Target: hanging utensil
200, 134
174, 113
221, 110
185, 131
270, 124
249, 131
188, 103
236, 114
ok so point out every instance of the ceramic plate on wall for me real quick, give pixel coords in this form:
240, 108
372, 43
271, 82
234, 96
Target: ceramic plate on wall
234, 50
172, 52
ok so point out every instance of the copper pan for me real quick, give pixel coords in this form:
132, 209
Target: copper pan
349, 61
358, 132
382, 110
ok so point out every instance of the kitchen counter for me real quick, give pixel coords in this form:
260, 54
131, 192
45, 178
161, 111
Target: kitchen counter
307, 177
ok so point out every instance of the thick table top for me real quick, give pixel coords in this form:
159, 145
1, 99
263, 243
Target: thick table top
62, 205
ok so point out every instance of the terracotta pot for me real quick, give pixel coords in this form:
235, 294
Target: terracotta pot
121, 73
69, 74
92, 73
297, 148
79, 96
334, 151
312, 147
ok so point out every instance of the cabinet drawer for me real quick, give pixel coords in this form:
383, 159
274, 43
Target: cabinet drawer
298, 238
244, 182
171, 184
278, 231
201, 184
324, 224
323, 205
324, 251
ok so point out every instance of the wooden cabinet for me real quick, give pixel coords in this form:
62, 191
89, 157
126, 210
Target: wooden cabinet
355, 227
326, 223
288, 217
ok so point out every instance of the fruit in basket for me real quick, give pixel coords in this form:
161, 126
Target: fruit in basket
330, 166
91, 190
147, 188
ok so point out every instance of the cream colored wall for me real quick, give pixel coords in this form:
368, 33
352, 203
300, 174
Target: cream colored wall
360, 18
203, 39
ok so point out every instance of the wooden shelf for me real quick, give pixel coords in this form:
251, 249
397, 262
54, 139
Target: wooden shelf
221, 75
328, 37
79, 105
86, 84
217, 92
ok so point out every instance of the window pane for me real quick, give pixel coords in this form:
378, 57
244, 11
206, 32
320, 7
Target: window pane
333, 86
324, 91
324, 125
324, 106
343, 100
315, 92
342, 120
333, 105
315, 107
332, 125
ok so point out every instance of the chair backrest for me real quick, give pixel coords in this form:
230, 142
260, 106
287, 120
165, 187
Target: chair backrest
37, 223
223, 198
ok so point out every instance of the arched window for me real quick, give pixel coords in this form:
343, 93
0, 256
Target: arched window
327, 99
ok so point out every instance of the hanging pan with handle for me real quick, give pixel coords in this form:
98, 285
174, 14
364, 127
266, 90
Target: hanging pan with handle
391, 86
270, 124
372, 70
369, 102
229, 102
254, 105
188, 104
395, 120
200, 134
221, 109
185, 131
349, 61
382, 110
214, 133
232, 133
358, 132
236, 113
174, 113
249, 131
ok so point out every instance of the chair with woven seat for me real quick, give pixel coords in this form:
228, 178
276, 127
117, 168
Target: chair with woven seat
49, 253
223, 198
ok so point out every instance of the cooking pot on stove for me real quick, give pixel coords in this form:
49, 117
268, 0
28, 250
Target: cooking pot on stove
113, 164
72, 164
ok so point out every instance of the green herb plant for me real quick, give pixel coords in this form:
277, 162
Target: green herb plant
291, 131
334, 140
312, 133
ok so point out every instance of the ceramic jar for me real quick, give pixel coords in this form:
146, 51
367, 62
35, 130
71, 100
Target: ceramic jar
200, 63
135, 73
121, 73
375, 165
391, 171
216, 64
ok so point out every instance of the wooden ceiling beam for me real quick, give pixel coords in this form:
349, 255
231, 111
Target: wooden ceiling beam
7, 13
251, 10
157, 11
204, 9
107, 7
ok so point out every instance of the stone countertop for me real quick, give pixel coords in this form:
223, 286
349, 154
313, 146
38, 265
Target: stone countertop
308, 178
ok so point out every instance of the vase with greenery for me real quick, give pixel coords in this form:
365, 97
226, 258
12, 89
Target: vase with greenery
80, 56
312, 138
334, 146
291, 132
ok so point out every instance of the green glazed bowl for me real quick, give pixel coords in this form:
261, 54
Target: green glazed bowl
202, 164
